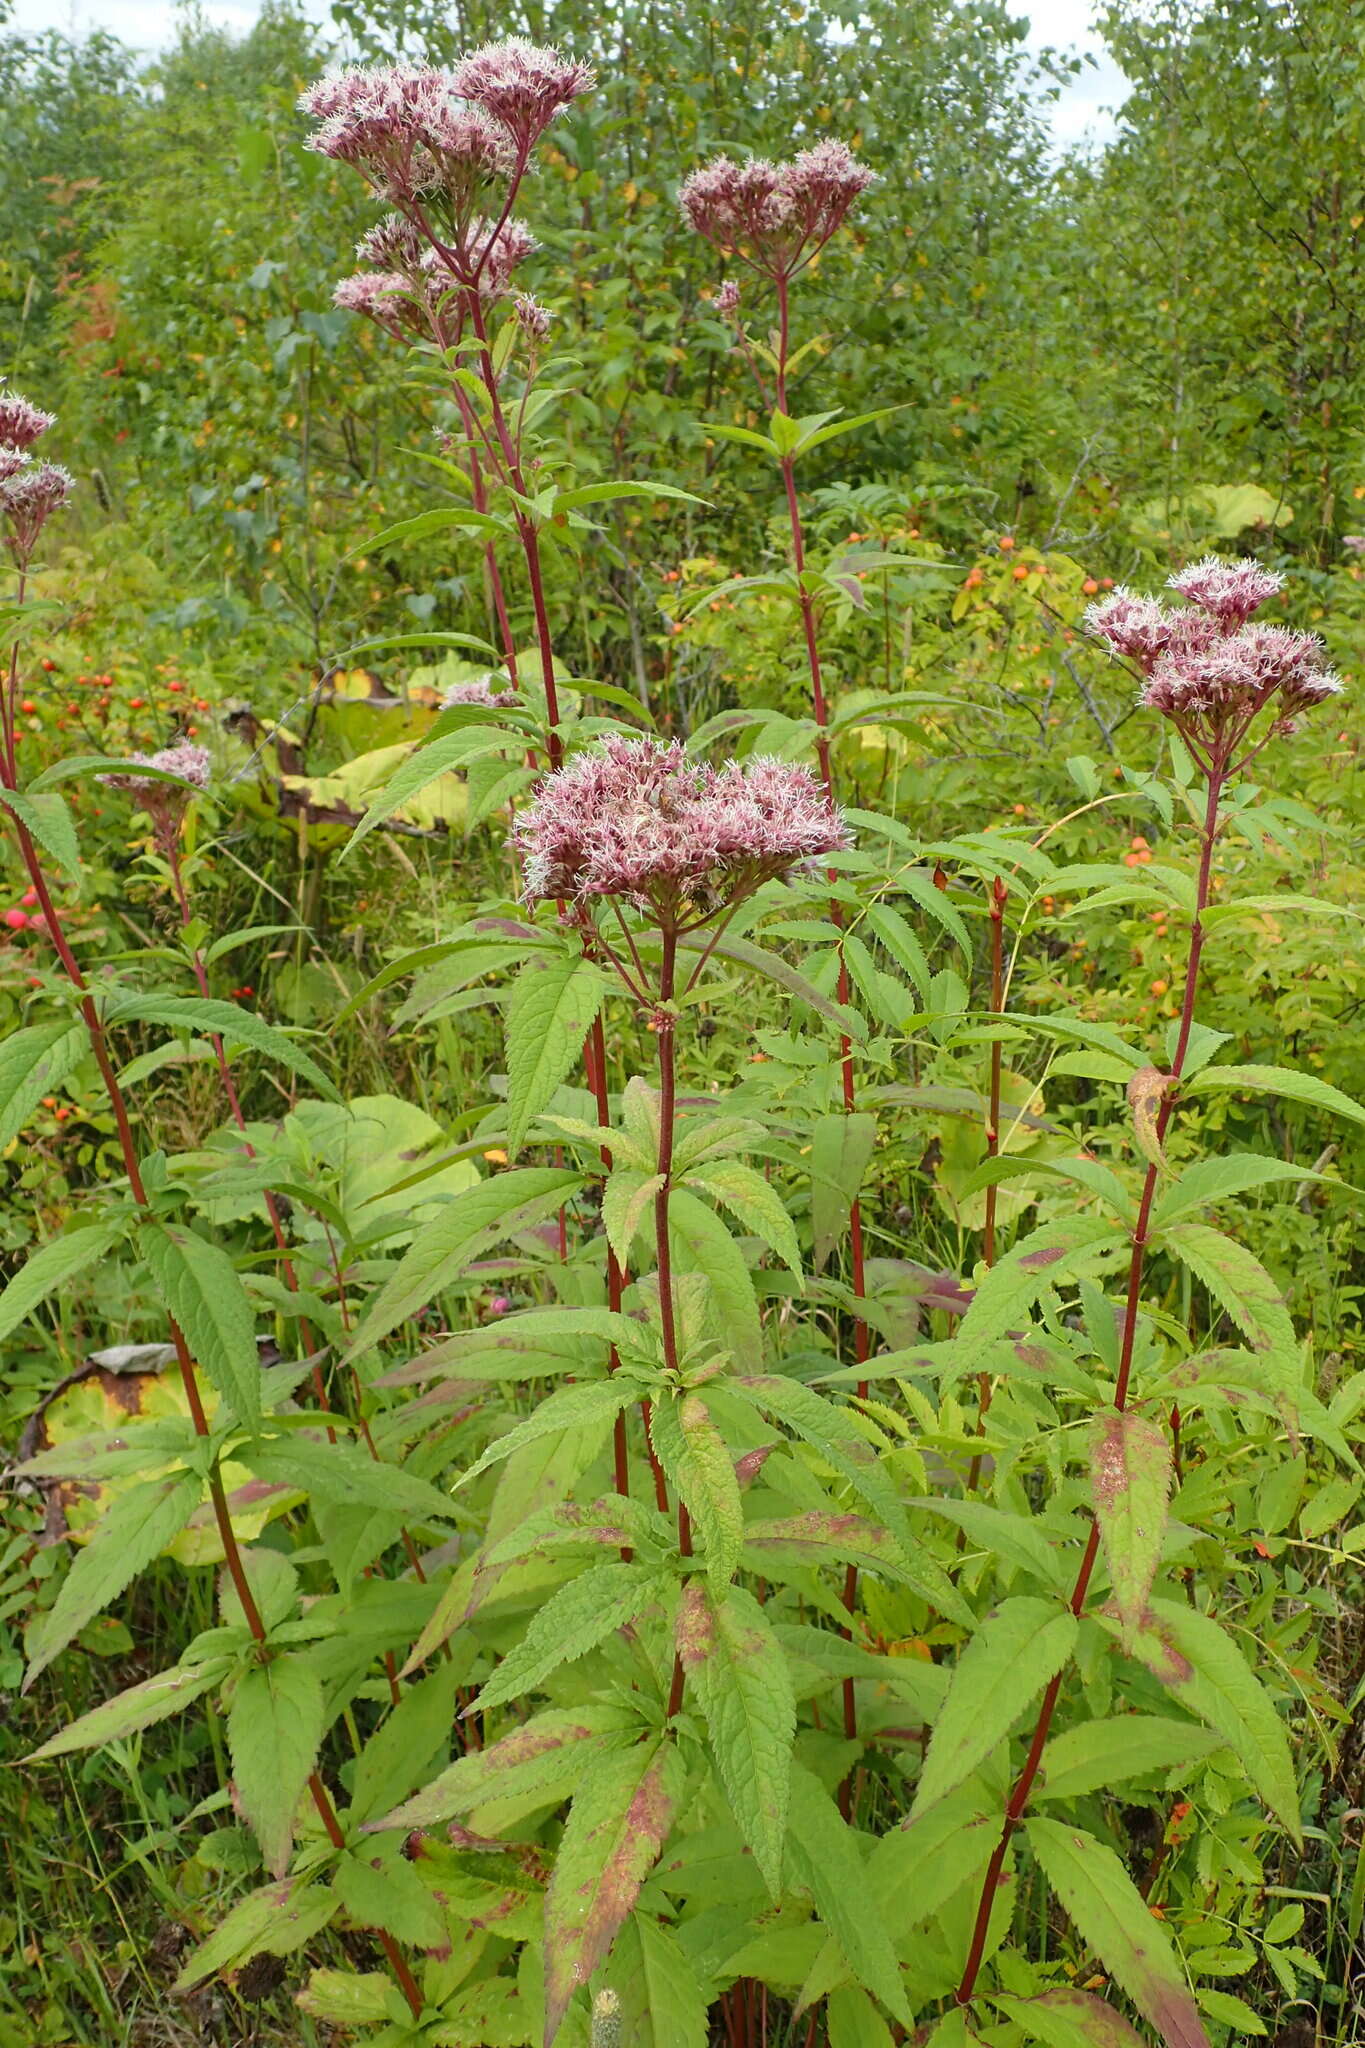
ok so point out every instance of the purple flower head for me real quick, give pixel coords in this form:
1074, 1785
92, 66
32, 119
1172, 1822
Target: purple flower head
393, 243
523, 85
384, 296
1354, 543
642, 820
20, 422
28, 499
727, 298
1231, 591
408, 130
1206, 666
481, 693
165, 802
774, 216
12, 461
534, 320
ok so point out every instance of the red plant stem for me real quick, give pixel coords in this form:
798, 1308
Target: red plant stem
999, 895
1023, 1784
221, 1514
820, 710
663, 1251
596, 1051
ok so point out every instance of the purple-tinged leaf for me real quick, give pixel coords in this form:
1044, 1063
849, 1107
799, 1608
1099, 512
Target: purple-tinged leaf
741, 1678
1069, 2019
554, 1746
1130, 1480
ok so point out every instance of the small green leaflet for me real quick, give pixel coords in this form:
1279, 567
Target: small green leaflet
274, 1729
1240, 1283
740, 1675
1208, 1674
207, 1017
275, 1920
468, 1225
137, 1527
58, 1261
754, 1202
1095, 1754
1009, 1660
617, 1826
841, 1147
1054, 1253
1111, 1916
573, 1621
550, 1009
156, 1699
1130, 1483
826, 1857
699, 1465
33, 1062
203, 1291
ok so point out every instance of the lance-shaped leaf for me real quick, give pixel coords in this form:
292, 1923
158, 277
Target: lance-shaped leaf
626, 1196
208, 1017
550, 1008
801, 1542
544, 1753
137, 1527
1240, 1283
576, 1407
203, 1291
47, 819
156, 1699
1283, 1081
617, 1825
467, 1226
1111, 1916
751, 1200
696, 1459
275, 1920
58, 1261
33, 1062
841, 1146
826, 1857
573, 1621
1204, 1669
1048, 1257
1005, 1666
274, 1729
1130, 1483
702, 1243
1095, 1754
1068, 2019
739, 1674
663, 1999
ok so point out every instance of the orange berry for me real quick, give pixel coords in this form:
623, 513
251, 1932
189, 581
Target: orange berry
1090, 586
1021, 810
1160, 987
136, 703
1020, 572
1137, 842
28, 706
1006, 543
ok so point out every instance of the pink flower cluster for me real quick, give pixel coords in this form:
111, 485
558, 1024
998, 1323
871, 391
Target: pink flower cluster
164, 802
481, 693
775, 216
641, 820
29, 492
1206, 666
524, 85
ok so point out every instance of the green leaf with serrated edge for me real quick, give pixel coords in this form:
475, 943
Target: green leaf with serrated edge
202, 1289
697, 1461
701, 1243
539, 1752
844, 1444
606, 493
58, 1261
1210, 1181
1203, 1668
1017, 1538
1054, 1253
663, 2001
406, 1743
893, 931
626, 1197
841, 1146
1239, 1282
825, 1856
47, 820
344, 1473
136, 1528
439, 755
1111, 1916
275, 1920
156, 1699
751, 1199
616, 1828
1015, 1651
575, 1407
573, 1621
1130, 1485
381, 1890
207, 1017
274, 1730
853, 2021
924, 1685
467, 1226
346, 1998
549, 1010
1094, 1754
738, 1672
1282, 1081
1064, 2018
816, 1538
746, 953
614, 1522
34, 1062
915, 1869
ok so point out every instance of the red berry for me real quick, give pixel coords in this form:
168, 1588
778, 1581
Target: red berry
29, 898
136, 703
28, 707
16, 920
176, 688
49, 666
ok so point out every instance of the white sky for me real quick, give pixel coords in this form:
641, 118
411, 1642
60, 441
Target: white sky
1082, 113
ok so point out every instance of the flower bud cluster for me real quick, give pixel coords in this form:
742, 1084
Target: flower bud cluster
30, 492
774, 216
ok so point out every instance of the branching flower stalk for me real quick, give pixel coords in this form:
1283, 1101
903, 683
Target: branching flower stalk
639, 823
24, 510
1228, 688
776, 218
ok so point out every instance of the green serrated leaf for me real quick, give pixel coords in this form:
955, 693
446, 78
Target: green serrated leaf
696, 1459
1130, 1483
1015, 1651
573, 1621
550, 1008
206, 1017
274, 1730
827, 1858
756, 1205
738, 1672
203, 1291
34, 1062
58, 1261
